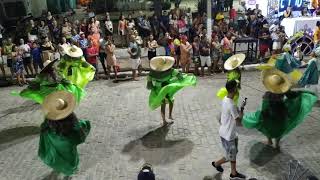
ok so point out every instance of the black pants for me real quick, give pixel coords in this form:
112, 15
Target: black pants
102, 58
152, 54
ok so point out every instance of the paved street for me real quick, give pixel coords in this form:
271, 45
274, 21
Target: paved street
125, 134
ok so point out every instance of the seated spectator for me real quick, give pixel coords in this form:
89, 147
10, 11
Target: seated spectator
84, 26
56, 32
47, 49
75, 37
288, 12
43, 30
66, 31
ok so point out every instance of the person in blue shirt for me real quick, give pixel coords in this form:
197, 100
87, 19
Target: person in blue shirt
36, 56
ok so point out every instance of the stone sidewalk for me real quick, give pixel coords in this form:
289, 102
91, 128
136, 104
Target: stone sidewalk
125, 134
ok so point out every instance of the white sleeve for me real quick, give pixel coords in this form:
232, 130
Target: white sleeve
234, 111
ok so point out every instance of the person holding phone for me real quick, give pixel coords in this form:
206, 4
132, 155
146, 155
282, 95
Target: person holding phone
230, 117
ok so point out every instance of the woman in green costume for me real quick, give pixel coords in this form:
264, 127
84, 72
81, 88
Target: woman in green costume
234, 73
61, 133
282, 110
75, 68
164, 82
47, 82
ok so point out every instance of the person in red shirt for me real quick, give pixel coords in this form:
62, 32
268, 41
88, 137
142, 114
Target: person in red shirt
92, 54
232, 13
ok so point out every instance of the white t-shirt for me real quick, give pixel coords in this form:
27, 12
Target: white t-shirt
229, 114
241, 13
26, 50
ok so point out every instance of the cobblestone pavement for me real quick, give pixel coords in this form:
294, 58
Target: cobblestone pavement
125, 134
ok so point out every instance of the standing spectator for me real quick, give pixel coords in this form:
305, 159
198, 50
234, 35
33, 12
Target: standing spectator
43, 30
83, 43
1, 37
26, 50
76, 25
264, 42
316, 34
134, 51
2, 64
66, 31
242, 21
177, 44
7, 51
196, 54
205, 55
130, 26
182, 25
50, 20
47, 49
32, 31
155, 26
36, 57
275, 36
111, 59
122, 30
232, 13
92, 54
75, 37
84, 26
56, 32
230, 118
18, 66
108, 25
176, 11
94, 26
185, 54
95, 37
152, 47
164, 22
102, 53
288, 12
144, 29
226, 44
216, 53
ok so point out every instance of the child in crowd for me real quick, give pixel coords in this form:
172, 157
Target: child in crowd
185, 48
264, 42
36, 57
216, 53
18, 65
196, 54
276, 43
152, 47
2, 64
111, 59
92, 54
226, 44
177, 44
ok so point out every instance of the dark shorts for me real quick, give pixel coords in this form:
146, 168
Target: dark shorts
151, 54
26, 61
231, 149
263, 49
9, 63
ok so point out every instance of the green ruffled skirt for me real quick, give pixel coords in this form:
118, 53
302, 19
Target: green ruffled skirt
158, 94
299, 104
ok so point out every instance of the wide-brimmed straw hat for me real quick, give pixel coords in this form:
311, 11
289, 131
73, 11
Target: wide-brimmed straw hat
59, 105
161, 63
47, 64
73, 51
276, 81
234, 61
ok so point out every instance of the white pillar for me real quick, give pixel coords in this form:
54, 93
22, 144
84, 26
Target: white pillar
209, 21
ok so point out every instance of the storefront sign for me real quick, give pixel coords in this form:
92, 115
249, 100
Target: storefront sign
296, 5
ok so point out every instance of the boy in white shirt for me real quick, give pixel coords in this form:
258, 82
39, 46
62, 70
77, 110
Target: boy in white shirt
230, 118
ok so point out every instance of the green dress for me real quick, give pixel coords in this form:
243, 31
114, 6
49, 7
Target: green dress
231, 75
78, 71
293, 110
41, 87
164, 85
60, 152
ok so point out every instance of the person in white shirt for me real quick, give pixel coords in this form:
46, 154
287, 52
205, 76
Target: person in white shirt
242, 19
25, 48
1, 31
230, 118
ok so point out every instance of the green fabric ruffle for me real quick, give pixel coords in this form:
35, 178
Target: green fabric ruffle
166, 87
296, 106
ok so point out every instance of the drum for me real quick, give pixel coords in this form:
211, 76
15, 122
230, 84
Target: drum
303, 40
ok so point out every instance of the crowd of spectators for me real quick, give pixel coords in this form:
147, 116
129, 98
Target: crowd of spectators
183, 34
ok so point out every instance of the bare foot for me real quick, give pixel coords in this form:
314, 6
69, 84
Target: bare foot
167, 123
269, 143
170, 117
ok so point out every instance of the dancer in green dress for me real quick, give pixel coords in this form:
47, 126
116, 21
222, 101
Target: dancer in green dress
232, 66
164, 82
282, 109
47, 82
75, 68
61, 133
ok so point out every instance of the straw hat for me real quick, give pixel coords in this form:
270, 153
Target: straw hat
47, 64
161, 63
59, 105
219, 17
73, 51
276, 81
286, 47
234, 61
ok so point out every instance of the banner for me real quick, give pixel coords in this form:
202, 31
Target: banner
296, 5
